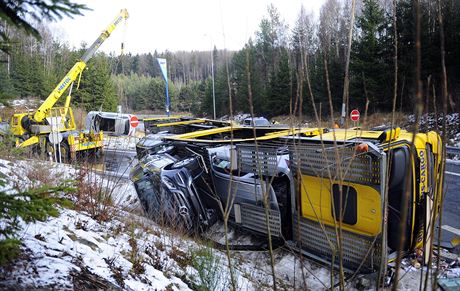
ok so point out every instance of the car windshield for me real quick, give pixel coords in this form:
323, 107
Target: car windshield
261, 122
258, 121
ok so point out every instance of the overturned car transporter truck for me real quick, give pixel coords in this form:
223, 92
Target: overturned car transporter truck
314, 183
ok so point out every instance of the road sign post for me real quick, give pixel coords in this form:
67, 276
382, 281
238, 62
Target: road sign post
134, 121
354, 116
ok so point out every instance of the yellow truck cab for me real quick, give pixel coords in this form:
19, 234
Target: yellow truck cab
363, 182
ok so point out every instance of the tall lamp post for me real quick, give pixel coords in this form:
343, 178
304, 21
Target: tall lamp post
213, 89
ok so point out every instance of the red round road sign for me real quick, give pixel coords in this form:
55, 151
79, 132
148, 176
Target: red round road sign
134, 121
354, 115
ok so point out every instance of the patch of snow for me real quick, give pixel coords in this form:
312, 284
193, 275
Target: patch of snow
59, 247
60, 250
432, 122
29, 102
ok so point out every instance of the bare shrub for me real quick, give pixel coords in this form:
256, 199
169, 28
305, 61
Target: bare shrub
135, 258
92, 197
38, 173
117, 271
378, 119
208, 267
182, 258
155, 258
159, 245
8, 149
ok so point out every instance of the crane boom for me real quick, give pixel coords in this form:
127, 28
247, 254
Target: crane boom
77, 69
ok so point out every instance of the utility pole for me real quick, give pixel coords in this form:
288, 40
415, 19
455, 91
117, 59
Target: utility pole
212, 76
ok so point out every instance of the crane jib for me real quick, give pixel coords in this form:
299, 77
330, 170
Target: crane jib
118, 20
104, 35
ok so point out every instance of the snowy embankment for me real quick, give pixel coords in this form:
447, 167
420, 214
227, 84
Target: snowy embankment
433, 122
74, 250
129, 251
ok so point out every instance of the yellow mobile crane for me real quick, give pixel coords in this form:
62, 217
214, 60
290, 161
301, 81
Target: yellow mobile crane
52, 129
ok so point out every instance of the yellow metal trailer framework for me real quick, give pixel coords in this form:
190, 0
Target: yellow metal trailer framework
351, 188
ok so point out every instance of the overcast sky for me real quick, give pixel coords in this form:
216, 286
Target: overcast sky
176, 24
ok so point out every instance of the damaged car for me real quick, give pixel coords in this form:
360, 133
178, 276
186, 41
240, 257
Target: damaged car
167, 190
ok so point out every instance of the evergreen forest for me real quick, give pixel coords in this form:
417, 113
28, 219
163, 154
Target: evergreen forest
281, 70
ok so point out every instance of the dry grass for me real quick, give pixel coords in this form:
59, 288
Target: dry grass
6, 113
160, 112
182, 258
373, 120
39, 174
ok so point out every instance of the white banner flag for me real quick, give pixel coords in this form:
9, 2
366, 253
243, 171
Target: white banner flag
163, 67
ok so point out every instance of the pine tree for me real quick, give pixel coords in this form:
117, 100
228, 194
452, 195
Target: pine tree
279, 101
30, 206
19, 13
97, 92
370, 67
241, 66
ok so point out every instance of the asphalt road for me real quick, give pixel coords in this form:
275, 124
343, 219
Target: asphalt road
451, 208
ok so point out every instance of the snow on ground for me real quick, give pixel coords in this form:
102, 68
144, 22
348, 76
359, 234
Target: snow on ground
61, 250
129, 251
433, 122
67, 249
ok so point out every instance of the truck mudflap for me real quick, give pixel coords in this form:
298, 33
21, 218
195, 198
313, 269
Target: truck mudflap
341, 204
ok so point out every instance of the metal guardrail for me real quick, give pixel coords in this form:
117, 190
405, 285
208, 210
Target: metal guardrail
453, 167
453, 150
